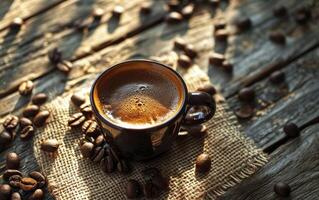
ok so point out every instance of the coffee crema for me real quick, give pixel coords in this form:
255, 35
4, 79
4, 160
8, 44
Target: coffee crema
138, 95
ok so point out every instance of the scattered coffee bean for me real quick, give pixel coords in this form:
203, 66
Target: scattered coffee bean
208, 88
277, 37
220, 24
16, 23
98, 13
78, 99
221, 34
150, 190
5, 191
87, 149
76, 119
41, 118
291, 130
98, 154
133, 189
15, 181
179, 43
146, 8
123, 167
282, 189
10, 172
16, 196
190, 51
203, 163
90, 128
243, 24
196, 131
27, 132
226, 65
26, 88
64, 66
28, 184
118, 11
214, 3
39, 99
280, 11
244, 112
30, 111
55, 56
86, 109
11, 122
174, 17
40, 178
216, 59
38, 194
107, 164
184, 61
12, 161
25, 122
50, 145
99, 140
277, 77
246, 94
5, 138
302, 15
188, 11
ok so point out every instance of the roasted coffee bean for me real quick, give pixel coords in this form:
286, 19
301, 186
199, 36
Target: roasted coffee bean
86, 109
10, 172
291, 130
98, 154
15, 180
107, 164
111, 151
16, 196
90, 128
26, 88
28, 184
190, 51
12, 161
50, 145
30, 111
5, 138
214, 3
27, 132
243, 24
25, 122
220, 24
208, 88
123, 167
98, 13
282, 189
302, 15
78, 99
41, 118
246, 94
203, 163
244, 112
55, 56
174, 17
146, 8
188, 11
39, 99
277, 37
216, 59
179, 43
16, 23
184, 61
76, 119
5, 191
11, 122
280, 11
196, 130
277, 77
87, 149
133, 189
64, 66
40, 178
118, 11
99, 140
221, 34
150, 190
38, 194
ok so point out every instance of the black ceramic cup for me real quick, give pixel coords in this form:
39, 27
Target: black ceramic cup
141, 143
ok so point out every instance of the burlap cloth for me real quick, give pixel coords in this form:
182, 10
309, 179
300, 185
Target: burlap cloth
234, 157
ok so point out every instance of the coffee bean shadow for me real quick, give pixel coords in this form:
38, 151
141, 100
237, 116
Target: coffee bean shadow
113, 23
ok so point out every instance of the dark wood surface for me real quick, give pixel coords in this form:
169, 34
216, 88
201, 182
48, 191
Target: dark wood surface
48, 24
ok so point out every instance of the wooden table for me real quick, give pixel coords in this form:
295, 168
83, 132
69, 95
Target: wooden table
48, 24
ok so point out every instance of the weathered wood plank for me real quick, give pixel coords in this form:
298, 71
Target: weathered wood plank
296, 163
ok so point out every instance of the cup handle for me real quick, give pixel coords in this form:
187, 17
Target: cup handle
199, 99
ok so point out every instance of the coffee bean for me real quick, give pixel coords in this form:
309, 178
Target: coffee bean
64, 66
246, 94
190, 51
38, 194
55, 56
10, 172
27, 132
107, 164
173, 5
40, 178
291, 130
146, 8
5, 138
26, 88
25, 122
16, 23
302, 15
90, 128
5, 191
16, 196
208, 88
184, 61
98, 154
221, 34
87, 149
277, 37
15, 181
216, 59
277, 77
98, 13
39, 99
244, 112
12, 161
214, 3
188, 11
78, 99
226, 65
150, 190
41, 118
243, 24
50, 145
114, 154
11, 122
280, 11
86, 109
282, 189
174, 17
220, 24
179, 43
118, 11
203, 163
99, 140
196, 131
123, 167
76, 119
30, 111
133, 189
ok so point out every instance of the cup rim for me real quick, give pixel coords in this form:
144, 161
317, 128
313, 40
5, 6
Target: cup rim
151, 128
